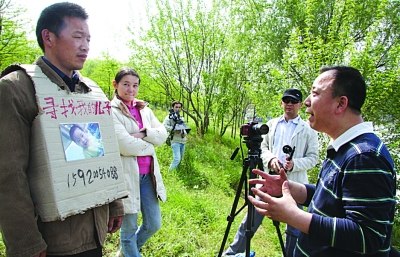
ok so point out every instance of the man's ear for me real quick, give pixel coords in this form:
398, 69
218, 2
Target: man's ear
47, 37
343, 103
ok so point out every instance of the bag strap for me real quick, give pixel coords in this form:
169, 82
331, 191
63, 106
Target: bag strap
171, 133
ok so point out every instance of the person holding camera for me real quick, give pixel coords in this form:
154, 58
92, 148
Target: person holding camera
286, 130
177, 137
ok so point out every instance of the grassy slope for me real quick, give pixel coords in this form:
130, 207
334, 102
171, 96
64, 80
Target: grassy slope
200, 197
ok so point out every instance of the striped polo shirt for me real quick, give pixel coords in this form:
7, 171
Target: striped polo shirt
353, 201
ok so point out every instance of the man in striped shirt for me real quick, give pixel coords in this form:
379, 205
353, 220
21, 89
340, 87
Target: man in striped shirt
351, 208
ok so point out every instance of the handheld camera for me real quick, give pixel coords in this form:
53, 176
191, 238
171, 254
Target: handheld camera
175, 116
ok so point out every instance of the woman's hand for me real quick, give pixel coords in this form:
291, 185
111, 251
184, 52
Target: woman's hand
141, 134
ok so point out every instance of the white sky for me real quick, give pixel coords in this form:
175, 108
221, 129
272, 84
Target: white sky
108, 22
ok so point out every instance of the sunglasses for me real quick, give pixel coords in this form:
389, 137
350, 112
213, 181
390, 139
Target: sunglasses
290, 100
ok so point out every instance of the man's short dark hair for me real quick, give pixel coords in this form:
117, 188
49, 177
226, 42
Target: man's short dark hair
176, 102
52, 18
348, 82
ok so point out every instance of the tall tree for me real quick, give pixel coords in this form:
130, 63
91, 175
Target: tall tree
363, 34
102, 71
14, 44
184, 51
222, 57
292, 39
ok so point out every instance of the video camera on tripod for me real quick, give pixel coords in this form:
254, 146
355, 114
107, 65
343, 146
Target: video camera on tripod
251, 133
253, 129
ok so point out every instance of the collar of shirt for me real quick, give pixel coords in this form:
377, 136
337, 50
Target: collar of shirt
295, 120
351, 133
71, 82
131, 105
135, 113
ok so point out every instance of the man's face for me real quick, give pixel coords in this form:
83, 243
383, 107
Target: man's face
291, 107
321, 105
69, 50
177, 107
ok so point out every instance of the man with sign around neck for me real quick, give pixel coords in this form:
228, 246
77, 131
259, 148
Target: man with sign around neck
63, 35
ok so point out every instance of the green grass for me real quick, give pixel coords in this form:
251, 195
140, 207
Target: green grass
2, 247
200, 197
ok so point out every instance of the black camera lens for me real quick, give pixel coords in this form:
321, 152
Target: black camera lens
260, 129
253, 129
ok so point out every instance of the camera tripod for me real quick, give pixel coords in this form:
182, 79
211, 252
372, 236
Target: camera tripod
252, 161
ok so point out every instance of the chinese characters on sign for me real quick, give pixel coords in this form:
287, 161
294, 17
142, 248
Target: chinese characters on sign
72, 107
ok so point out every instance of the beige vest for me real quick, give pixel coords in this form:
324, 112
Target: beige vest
64, 179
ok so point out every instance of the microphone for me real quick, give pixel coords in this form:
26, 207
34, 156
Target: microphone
287, 149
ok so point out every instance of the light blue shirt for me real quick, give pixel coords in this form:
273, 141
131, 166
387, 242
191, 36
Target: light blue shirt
283, 135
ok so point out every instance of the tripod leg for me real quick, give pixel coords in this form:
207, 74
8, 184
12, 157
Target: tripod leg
278, 231
249, 232
231, 217
254, 162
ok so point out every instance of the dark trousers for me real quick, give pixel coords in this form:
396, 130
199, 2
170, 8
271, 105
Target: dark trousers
91, 253
291, 240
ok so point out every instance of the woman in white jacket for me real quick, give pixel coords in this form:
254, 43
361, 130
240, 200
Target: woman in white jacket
138, 131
